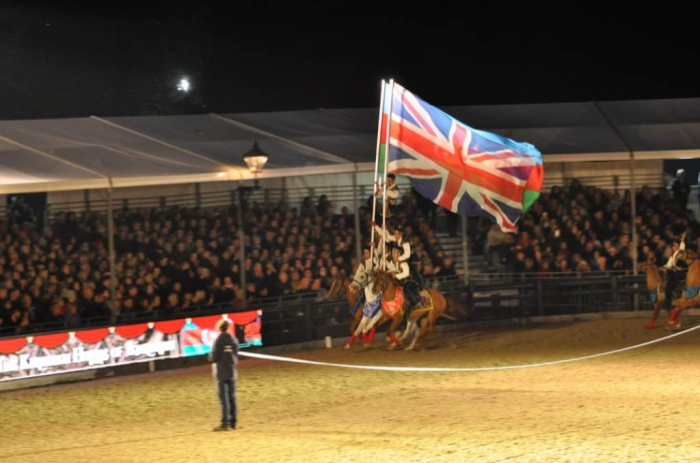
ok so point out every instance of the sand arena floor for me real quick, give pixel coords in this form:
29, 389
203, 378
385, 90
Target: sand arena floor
636, 406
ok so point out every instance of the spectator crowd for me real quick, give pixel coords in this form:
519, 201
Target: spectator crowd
171, 260
587, 229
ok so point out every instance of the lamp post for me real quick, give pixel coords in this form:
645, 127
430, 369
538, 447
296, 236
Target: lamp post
255, 159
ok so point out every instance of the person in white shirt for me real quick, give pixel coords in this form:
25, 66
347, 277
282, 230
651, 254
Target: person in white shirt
407, 255
392, 194
402, 273
398, 238
675, 270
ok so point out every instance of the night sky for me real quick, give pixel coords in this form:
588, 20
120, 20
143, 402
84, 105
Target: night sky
118, 59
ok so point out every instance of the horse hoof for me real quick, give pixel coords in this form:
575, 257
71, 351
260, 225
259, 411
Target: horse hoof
346, 347
392, 346
673, 325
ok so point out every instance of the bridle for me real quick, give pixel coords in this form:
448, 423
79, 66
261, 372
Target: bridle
362, 285
385, 281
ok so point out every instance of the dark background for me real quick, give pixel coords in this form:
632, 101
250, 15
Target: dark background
70, 59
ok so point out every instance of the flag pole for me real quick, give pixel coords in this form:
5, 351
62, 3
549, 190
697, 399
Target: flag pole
386, 163
376, 172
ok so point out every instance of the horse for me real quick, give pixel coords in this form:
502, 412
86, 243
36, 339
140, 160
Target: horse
656, 285
393, 308
341, 286
691, 293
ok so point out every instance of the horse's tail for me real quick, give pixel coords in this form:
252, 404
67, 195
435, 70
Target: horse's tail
455, 309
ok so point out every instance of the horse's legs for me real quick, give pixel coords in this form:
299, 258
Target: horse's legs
435, 314
410, 326
374, 321
390, 333
432, 319
371, 327
417, 332
360, 331
683, 304
355, 329
424, 331
658, 305
356, 321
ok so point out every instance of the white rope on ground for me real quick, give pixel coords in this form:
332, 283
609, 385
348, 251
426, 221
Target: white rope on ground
447, 369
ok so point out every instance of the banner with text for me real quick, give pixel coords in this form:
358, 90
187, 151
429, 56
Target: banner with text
31, 356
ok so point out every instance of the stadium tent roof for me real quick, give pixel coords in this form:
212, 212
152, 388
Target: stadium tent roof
69, 154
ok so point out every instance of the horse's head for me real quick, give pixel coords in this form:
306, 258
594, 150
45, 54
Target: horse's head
381, 282
338, 287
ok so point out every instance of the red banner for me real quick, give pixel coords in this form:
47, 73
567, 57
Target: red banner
51, 341
92, 336
243, 318
170, 326
26, 357
9, 346
207, 322
132, 331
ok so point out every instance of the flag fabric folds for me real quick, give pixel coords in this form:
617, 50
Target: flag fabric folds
464, 170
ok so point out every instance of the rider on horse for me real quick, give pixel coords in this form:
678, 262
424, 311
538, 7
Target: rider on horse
406, 255
676, 270
405, 277
392, 194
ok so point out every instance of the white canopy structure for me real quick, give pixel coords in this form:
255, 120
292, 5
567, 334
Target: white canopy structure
88, 153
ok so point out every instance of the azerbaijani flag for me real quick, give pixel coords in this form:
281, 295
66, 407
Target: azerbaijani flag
386, 98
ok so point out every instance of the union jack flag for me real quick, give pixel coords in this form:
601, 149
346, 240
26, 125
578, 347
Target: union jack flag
467, 171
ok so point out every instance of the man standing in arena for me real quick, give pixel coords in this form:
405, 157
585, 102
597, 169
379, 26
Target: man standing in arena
224, 355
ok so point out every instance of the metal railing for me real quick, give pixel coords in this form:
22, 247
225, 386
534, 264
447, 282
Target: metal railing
614, 183
295, 196
305, 318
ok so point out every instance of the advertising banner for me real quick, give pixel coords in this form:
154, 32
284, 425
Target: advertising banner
31, 356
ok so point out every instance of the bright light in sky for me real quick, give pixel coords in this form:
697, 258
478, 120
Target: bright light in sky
184, 85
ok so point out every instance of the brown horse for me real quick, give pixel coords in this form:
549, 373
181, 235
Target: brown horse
387, 284
691, 295
656, 285
341, 287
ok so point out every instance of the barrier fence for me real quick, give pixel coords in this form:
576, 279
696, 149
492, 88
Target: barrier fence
494, 296
338, 195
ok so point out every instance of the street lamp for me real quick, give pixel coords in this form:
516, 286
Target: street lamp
255, 159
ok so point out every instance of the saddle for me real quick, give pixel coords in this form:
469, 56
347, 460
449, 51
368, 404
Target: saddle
426, 302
